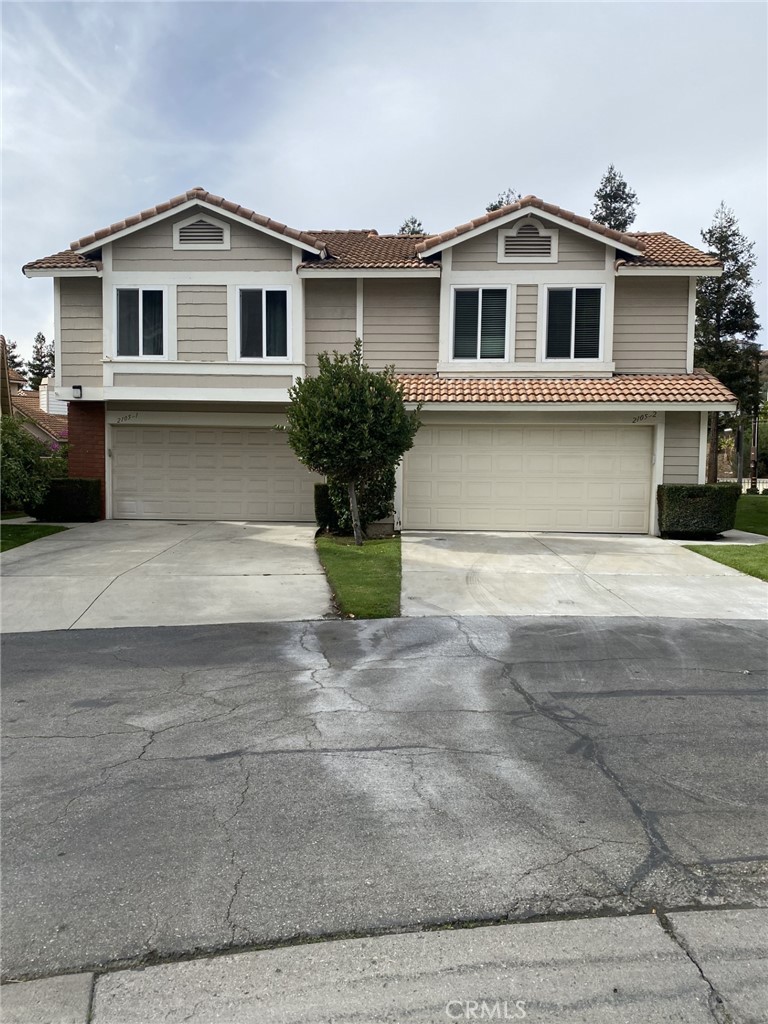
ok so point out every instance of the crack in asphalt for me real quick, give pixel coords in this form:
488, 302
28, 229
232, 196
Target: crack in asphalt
715, 1002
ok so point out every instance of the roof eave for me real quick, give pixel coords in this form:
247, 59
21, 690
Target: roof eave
629, 270
61, 272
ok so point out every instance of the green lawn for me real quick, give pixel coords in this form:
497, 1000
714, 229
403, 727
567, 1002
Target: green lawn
365, 581
12, 515
15, 536
752, 513
749, 558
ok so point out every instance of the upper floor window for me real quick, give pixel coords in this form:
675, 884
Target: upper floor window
140, 322
528, 241
480, 323
201, 232
263, 323
573, 323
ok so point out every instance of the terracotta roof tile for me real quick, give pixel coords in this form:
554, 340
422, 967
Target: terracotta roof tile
364, 250
532, 202
14, 374
682, 387
27, 403
663, 250
66, 260
206, 197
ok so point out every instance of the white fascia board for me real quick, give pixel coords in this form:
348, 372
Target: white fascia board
531, 211
586, 407
219, 395
627, 270
216, 211
414, 272
86, 271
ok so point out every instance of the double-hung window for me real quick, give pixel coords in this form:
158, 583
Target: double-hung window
573, 323
263, 323
140, 322
480, 323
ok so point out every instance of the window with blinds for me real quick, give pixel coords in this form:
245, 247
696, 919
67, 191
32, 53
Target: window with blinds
480, 323
201, 233
573, 323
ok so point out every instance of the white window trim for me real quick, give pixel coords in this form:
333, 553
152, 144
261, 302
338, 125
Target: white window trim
547, 232
543, 321
288, 357
224, 244
477, 360
168, 349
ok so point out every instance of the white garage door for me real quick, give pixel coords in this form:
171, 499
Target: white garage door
202, 473
545, 477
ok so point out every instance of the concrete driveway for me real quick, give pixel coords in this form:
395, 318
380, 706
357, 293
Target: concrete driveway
570, 574
119, 573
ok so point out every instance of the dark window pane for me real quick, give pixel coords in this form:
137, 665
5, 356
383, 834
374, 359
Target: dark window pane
586, 343
277, 324
251, 333
493, 323
152, 323
465, 324
559, 323
127, 321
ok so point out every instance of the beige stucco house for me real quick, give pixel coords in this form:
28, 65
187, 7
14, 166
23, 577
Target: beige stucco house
553, 358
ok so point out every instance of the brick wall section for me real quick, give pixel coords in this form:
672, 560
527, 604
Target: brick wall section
86, 443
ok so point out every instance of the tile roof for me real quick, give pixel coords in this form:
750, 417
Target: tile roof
205, 197
532, 202
14, 374
663, 250
362, 250
698, 386
28, 404
368, 250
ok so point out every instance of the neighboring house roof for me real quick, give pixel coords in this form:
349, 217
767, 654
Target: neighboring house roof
368, 250
27, 403
364, 250
698, 386
16, 376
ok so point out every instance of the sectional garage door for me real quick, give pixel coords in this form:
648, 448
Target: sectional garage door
592, 479
202, 473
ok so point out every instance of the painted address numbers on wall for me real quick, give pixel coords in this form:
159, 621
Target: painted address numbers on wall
127, 417
643, 417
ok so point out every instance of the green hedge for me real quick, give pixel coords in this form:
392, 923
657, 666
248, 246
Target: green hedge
70, 500
325, 513
697, 510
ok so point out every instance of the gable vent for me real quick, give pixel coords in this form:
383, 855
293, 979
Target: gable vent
527, 242
201, 232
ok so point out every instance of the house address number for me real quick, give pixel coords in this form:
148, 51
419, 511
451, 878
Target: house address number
127, 417
643, 417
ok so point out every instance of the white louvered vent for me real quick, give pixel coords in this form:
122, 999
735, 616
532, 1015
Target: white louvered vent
201, 233
528, 243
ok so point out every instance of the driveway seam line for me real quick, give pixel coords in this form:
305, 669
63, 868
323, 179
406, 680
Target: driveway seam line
586, 575
126, 571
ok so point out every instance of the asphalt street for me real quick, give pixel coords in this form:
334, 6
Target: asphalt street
182, 789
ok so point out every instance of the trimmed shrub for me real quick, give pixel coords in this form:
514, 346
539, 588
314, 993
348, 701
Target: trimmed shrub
375, 499
68, 500
697, 511
26, 465
325, 514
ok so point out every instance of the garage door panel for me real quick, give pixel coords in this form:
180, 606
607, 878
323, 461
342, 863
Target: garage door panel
208, 473
543, 477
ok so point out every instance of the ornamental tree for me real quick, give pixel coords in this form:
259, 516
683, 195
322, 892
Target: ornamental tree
42, 362
615, 202
505, 198
349, 423
727, 324
411, 226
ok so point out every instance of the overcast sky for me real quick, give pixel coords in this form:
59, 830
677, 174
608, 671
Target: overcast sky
336, 115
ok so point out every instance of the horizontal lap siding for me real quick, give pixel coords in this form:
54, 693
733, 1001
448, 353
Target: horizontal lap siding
681, 448
525, 327
202, 322
329, 318
81, 331
401, 324
650, 325
199, 380
575, 252
152, 249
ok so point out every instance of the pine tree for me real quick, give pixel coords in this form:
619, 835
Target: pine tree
42, 362
505, 198
15, 362
615, 202
726, 321
411, 226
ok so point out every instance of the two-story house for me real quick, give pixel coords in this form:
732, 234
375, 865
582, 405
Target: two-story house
553, 357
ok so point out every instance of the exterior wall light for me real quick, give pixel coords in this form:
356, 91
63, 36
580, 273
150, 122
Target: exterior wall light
77, 391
